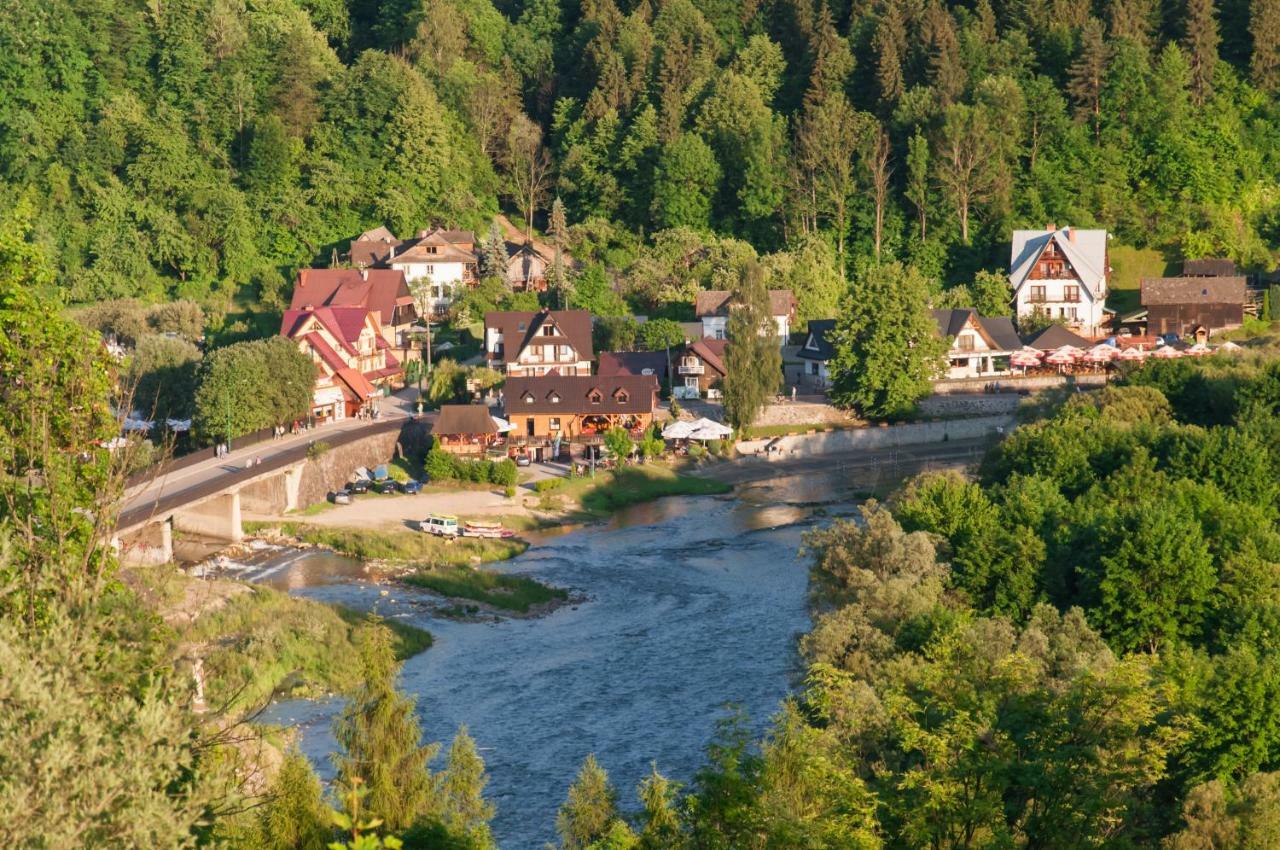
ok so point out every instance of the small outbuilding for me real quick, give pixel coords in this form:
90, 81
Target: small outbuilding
465, 429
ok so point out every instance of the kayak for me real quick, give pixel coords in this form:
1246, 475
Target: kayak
480, 528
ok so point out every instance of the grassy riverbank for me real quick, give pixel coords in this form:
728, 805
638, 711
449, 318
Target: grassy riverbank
519, 594
255, 642
265, 643
406, 547
630, 485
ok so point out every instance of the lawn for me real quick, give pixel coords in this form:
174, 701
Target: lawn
632, 485
1129, 266
507, 592
265, 643
405, 546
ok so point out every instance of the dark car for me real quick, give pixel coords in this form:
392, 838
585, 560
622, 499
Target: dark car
411, 487
385, 486
360, 485
522, 460
341, 497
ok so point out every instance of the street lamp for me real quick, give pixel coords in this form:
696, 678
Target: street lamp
422, 332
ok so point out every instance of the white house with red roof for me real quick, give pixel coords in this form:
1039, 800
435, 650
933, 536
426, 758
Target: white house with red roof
352, 356
383, 291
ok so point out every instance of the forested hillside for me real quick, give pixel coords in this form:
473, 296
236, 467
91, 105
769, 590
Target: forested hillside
191, 150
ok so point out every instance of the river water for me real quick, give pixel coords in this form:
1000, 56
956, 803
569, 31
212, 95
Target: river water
690, 605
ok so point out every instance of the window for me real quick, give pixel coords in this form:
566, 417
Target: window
528, 398
1038, 294
595, 397
431, 269
621, 396
691, 383
719, 333
813, 367
554, 423
1073, 314
965, 342
1070, 293
565, 352
554, 398
548, 330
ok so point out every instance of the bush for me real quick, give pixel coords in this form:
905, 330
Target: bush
504, 472
440, 465
546, 485
317, 450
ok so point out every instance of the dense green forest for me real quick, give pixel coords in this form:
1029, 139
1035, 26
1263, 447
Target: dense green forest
206, 150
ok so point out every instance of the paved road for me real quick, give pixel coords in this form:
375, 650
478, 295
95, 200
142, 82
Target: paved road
194, 482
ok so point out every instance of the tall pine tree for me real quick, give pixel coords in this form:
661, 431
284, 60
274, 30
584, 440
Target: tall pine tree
1201, 41
1264, 26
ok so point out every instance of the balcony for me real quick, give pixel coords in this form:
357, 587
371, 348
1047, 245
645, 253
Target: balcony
690, 369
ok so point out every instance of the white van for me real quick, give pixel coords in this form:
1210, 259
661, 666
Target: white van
440, 525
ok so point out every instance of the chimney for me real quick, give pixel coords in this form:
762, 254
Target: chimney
1071, 234
392, 254
1050, 228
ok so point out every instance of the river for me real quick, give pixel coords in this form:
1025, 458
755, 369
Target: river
690, 605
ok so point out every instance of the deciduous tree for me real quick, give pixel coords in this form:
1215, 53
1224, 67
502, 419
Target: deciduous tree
753, 358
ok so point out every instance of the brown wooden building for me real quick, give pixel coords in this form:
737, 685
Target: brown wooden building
699, 367
1181, 305
465, 429
575, 406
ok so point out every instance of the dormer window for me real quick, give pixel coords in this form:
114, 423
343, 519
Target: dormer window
595, 396
528, 398
554, 397
521, 326
621, 396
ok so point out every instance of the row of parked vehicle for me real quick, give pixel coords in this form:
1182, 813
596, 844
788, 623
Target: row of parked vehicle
360, 485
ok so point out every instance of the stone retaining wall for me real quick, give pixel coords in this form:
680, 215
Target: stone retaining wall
1017, 385
877, 437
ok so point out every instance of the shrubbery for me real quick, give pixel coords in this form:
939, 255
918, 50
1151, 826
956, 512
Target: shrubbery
443, 466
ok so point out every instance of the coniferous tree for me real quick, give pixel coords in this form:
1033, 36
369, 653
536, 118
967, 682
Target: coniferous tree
1088, 72
1133, 20
660, 828
558, 276
296, 818
1201, 42
753, 358
1264, 26
918, 178
890, 43
591, 809
381, 741
494, 256
464, 811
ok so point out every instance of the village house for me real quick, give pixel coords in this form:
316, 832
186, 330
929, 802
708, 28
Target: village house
816, 352
383, 291
712, 306
980, 346
465, 429
1193, 305
372, 248
443, 260
550, 411
610, 363
520, 342
529, 261
700, 369
1062, 274
352, 357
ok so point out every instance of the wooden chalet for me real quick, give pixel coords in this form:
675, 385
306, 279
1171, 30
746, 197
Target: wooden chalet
699, 368
520, 342
562, 409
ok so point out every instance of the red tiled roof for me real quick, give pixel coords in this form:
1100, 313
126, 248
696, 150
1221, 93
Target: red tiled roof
355, 386
380, 290
326, 352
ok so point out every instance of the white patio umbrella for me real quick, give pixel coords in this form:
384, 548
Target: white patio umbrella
1198, 350
1025, 357
1167, 352
501, 424
1062, 357
707, 429
678, 430
1230, 346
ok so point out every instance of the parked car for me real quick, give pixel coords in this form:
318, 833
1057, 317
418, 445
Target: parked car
385, 486
411, 487
360, 485
522, 460
441, 525
340, 497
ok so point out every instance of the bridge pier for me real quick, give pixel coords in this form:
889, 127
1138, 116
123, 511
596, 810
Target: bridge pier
149, 546
218, 518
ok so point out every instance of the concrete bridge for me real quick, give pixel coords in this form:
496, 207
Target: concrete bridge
208, 499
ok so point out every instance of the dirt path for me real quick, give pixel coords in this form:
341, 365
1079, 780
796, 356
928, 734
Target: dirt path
395, 511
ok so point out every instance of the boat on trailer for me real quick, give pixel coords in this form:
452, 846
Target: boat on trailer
485, 528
